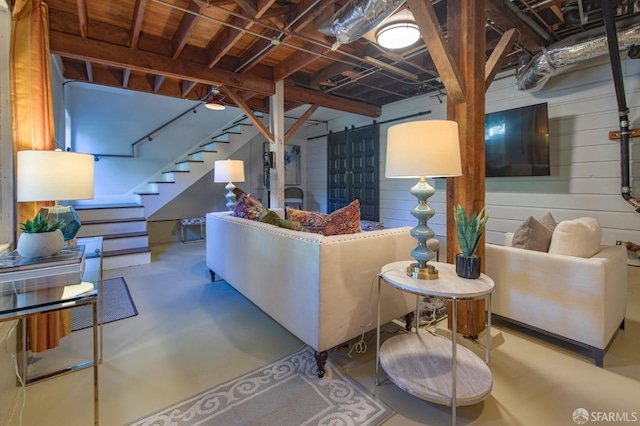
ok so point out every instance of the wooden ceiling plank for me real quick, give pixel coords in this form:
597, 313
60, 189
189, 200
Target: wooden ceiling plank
440, 53
70, 46
136, 22
293, 129
497, 56
185, 28
237, 99
83, 19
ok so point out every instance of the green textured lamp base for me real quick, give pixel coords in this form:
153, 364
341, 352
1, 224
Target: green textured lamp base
422, 273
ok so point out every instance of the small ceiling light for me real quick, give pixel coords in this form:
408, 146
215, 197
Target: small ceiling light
398, 35
215, 103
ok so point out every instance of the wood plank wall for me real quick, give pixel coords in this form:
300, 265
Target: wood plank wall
585, 164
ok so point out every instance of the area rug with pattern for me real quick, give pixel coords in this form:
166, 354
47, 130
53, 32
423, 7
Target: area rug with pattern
116, 303
286, 392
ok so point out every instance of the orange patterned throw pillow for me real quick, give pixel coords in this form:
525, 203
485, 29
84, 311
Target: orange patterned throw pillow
342, 221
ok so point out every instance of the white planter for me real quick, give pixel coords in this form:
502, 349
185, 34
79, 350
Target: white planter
41, 244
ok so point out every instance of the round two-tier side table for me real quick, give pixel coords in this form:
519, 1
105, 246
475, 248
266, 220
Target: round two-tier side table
432, 367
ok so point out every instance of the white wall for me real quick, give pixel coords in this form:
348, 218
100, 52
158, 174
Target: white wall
585, 164
105, 120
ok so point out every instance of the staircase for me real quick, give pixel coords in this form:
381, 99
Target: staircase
123, 228
168, 184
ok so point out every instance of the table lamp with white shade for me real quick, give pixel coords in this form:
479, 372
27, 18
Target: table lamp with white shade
44, 175
422, 149
229, 171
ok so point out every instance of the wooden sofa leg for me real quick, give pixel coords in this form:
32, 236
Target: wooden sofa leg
622, 324
408, 319
213, 275
321, 360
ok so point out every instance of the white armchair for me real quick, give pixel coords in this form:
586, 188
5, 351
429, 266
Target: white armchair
581, 300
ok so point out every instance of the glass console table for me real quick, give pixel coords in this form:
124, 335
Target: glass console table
19, 301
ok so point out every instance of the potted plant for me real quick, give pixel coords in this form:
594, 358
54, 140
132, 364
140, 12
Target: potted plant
470, 231
40, 238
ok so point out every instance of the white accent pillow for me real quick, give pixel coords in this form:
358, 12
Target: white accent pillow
578, 237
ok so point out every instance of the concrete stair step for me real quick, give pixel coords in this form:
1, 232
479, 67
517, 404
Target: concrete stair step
125, 241
116, 226
111, 211
124, 258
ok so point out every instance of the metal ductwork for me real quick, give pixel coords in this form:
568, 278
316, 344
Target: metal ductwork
356, 18
574, 50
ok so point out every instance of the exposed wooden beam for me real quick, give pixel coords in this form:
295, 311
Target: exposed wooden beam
497, 56
126, 73
89, 69
74, 47
136, 22
504, 18
309, 96
296, 62
186, 87
247, 6
83, 20
237, 99
306, 10
221, 45
339, 67
157, 83
137, 82
388, 67
293, 129
185, 28
440, 53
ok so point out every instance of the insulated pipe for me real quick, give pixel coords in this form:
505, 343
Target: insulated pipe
623, 111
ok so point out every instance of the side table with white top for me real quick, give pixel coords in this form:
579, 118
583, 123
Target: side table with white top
432, 367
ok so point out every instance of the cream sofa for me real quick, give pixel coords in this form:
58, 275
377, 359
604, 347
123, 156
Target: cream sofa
323, 289
581, 300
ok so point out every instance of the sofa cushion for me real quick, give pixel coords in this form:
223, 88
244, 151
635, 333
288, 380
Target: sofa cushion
532, 235
271, 217
342, 221
579, 237
248, 207
548, 221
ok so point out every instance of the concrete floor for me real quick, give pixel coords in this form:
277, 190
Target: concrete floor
192, 334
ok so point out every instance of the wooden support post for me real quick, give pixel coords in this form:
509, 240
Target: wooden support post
466, 39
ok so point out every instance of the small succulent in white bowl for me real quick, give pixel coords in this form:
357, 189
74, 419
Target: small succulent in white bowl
40, 238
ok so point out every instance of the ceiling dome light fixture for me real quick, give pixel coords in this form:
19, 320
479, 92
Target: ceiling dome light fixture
398, 35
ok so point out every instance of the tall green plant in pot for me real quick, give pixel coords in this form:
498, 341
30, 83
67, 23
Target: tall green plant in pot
470, 231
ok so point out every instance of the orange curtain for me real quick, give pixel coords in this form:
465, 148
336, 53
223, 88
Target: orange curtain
32, 125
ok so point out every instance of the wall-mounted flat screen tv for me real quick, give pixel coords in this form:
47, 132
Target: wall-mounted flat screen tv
517, 142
